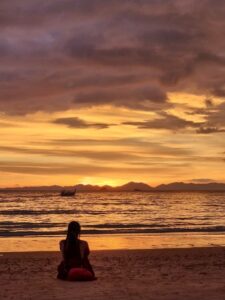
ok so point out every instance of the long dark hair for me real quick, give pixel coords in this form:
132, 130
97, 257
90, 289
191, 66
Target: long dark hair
72, 247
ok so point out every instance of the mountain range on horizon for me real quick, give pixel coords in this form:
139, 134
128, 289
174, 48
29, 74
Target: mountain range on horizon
128, 187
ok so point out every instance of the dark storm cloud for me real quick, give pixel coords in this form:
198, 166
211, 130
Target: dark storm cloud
214, 116
166, 121
60, 54
215, 120
79, 123
139, 98
217, 116
207, 130
209, 103
219, 92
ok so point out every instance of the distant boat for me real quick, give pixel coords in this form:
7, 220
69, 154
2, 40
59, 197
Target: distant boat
68, 193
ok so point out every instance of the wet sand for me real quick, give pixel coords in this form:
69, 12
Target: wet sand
117, 241
193, 273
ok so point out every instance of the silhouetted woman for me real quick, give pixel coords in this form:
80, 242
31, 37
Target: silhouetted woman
75, 264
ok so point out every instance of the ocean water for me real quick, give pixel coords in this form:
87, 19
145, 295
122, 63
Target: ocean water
47, 214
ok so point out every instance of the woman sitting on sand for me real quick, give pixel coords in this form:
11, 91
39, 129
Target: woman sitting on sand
75, 264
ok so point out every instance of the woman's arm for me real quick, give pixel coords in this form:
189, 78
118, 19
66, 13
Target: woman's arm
86, 263
61, 247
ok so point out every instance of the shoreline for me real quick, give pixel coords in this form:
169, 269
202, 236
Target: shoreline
117, 242
156, 274
199, 251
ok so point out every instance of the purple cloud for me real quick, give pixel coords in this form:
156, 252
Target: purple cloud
63, 54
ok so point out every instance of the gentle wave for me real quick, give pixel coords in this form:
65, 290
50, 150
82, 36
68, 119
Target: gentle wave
217, 229
44, 214
47, 212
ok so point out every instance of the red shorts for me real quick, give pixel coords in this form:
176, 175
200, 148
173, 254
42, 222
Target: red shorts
80, 274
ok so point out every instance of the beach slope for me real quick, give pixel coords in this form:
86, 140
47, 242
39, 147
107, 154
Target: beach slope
194, 273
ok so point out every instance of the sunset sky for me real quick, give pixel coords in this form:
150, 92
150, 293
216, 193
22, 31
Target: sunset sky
105, 92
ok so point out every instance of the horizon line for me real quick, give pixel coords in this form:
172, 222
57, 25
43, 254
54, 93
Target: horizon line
112, 186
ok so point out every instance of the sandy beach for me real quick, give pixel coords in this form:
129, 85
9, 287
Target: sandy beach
193, 273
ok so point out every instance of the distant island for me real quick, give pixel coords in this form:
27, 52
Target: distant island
129, 187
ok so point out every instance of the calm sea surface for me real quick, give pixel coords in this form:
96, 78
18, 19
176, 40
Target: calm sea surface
47, 214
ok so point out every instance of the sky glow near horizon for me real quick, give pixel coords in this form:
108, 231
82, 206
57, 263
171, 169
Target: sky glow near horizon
105, 92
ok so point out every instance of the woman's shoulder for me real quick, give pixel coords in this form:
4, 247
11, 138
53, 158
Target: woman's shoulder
83, 243
84, 247
62, 242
